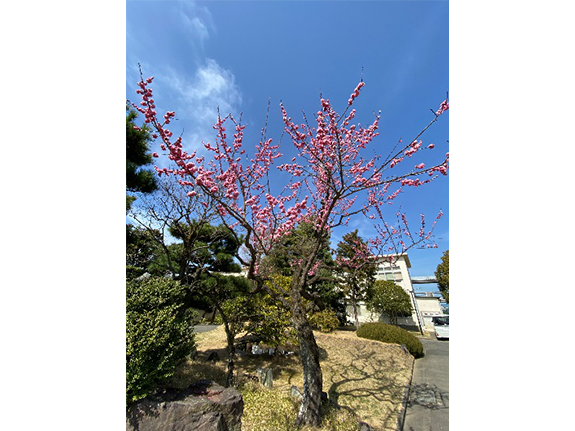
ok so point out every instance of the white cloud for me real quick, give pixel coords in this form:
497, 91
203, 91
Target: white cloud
195, 99
193, 86
210, 87
197, 22
196, 27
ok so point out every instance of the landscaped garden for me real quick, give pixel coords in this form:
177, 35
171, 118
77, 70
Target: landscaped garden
365, 381
250, 239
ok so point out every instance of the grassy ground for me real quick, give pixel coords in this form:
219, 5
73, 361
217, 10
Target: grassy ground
364, 379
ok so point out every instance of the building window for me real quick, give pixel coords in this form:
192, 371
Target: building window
392, 276
389, 268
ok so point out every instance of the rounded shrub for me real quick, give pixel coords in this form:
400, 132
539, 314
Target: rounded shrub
159, 334
325, 320
391, 334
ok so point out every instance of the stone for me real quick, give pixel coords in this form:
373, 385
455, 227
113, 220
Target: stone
271, 351
363, 426
145, 276
295, 392
266, 377
257, 350
203, 406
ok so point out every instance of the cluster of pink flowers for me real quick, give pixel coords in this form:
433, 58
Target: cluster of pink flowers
413, 148
327, 173
442, 168
355, 93
422, 228
413, 183
442, 108
314, 268
147, 100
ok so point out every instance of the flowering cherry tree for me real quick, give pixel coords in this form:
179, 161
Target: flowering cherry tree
327, 183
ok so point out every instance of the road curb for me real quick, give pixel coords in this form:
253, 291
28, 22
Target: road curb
405, 401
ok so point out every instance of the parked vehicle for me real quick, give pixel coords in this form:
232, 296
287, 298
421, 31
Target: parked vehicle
441, 327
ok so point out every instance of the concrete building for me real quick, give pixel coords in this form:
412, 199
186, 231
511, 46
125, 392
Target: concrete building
393, 267
429, 306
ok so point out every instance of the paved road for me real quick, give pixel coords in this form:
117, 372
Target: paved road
204, 328
428, 407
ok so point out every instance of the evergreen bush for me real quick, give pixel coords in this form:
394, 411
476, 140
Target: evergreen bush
271, 323
159, 334
325, 320
391, 334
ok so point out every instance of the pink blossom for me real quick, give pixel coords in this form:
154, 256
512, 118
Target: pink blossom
442, 108
355, 93
323, 181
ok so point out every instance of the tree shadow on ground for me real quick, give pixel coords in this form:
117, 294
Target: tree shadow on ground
428, 396
370, 379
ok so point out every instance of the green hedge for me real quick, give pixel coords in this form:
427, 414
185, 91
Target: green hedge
159, 334
391, 334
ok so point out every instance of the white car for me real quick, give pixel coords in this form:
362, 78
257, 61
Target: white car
441, 327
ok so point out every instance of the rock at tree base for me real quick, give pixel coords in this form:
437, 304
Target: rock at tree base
203, 406
295, 392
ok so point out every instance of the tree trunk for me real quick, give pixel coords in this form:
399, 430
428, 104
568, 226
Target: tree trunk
309, 412
231, 356
354, 304
230, 336
213, 316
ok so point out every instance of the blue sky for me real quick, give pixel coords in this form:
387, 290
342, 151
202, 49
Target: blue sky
238, 55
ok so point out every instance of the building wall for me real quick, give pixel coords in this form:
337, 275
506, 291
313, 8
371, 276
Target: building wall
429, 306
364, 316
398, 272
